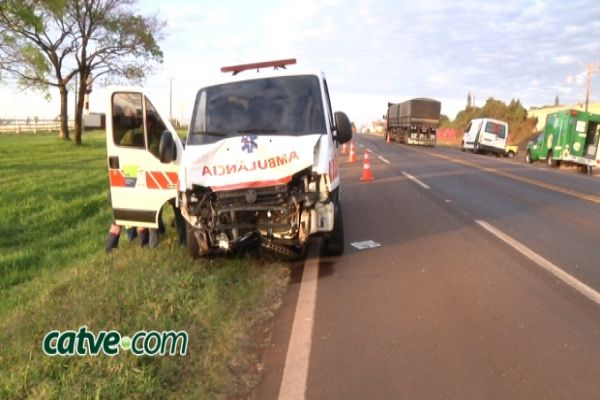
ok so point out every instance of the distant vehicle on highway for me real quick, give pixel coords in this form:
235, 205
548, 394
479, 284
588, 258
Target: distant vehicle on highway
485, 135
569, 136
413, 122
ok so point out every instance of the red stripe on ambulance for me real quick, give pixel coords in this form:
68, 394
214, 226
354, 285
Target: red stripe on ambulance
151, 182
161, 179
173, 177
116, 178
257, 184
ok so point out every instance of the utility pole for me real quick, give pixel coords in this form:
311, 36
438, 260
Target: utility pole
171, 99
591, 71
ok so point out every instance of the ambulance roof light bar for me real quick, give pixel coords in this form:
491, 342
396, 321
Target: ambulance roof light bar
276, 64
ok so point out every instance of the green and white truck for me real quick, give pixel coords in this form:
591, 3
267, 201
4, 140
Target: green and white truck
569, 136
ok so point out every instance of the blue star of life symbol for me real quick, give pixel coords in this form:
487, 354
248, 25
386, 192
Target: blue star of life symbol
249, 143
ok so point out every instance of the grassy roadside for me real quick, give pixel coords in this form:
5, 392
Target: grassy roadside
54, 275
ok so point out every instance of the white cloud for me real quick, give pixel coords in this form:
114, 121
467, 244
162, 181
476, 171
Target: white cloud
574, 30
375, 51
534, 10
565, 59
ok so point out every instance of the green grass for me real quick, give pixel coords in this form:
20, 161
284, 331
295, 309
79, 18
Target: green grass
53, 203
54, 275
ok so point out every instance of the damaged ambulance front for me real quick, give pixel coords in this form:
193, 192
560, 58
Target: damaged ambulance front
260, 166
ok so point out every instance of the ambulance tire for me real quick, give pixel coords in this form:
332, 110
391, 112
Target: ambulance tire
511, 154
195, 248
333, 245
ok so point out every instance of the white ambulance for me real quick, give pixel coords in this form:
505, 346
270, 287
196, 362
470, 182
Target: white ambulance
259, 165
485, 135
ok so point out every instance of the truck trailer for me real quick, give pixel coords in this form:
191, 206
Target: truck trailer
413, 121
569, 136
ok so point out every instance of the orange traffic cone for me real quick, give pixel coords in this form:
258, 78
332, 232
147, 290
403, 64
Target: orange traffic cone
352, 157
344, 149
387, 140
367, 175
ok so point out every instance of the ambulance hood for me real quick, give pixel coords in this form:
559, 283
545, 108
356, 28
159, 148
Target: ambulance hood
247, 161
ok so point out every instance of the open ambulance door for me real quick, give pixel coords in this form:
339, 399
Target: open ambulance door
139, 183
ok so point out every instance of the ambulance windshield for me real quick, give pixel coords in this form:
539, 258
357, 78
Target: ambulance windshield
289, 105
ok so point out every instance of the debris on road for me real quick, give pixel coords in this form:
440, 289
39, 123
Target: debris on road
365, 244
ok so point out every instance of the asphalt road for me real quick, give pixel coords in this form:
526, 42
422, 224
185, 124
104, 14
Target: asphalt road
445, 309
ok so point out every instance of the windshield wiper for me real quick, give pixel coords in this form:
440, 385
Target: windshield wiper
257, 130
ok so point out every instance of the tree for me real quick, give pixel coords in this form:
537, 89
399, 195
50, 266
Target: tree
515, 112
46, 44
31, 53
444, 121
494, 109
112, 42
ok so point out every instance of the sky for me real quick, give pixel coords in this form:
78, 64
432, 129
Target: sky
371, 51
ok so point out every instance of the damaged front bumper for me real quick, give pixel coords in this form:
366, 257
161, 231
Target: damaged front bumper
280, 217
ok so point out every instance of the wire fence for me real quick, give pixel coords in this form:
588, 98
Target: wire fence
31, 125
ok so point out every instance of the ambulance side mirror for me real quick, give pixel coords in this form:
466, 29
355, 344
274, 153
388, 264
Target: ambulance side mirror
167, 150
342, 127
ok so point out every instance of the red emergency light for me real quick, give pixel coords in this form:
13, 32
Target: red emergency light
276, 64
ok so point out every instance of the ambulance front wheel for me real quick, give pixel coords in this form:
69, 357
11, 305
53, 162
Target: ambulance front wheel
196, 243
333, 245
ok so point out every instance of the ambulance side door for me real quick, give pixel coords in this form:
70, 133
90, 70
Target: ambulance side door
139, 183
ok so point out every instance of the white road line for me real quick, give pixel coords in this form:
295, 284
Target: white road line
384, 160
370, 151
415, 180
545, 264
295, 372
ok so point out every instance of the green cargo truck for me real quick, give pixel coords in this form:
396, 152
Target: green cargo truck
570, 136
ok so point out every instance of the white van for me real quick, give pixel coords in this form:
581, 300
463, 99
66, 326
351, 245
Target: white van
259, 165
485, 135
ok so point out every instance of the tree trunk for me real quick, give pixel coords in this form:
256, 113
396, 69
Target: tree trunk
79, 108
78, 116
64, 113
